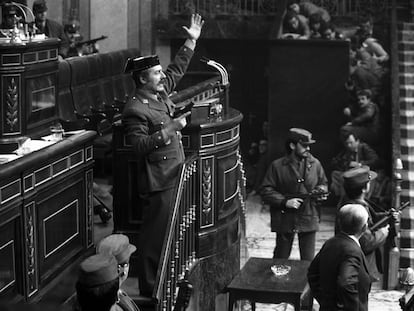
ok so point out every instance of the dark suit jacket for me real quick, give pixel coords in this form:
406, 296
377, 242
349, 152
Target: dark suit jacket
338, 276
55, 30
144, 117
364, 155
371, 241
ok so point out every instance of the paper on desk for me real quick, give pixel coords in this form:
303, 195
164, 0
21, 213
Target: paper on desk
4, 158
31, 145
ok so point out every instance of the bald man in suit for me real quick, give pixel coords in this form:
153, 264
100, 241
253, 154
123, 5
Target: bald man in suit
338, 275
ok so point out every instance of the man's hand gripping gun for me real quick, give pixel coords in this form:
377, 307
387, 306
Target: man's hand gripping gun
386, 220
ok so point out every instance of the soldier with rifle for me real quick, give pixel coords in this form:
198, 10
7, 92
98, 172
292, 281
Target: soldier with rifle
293, 187
356, 186
83, 47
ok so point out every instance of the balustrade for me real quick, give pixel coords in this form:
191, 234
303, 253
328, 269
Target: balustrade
342, 8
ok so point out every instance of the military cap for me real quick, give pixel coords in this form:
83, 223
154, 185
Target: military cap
39, 6
141, 63
117, 245
98, 269
365, 92
358, 176
302, 136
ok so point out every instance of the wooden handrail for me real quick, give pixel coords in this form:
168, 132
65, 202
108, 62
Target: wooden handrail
179, 253
194, 92
179, 249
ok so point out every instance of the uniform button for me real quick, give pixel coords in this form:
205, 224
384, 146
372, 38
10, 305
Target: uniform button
164, 158
162, 122
156, 147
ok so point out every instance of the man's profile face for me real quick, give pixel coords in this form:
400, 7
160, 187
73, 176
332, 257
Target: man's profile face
41, 16
351, 143
154, 79
294, 22
363, 100
301, 150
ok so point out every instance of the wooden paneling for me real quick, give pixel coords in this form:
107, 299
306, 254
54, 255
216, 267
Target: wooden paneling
306, 89
61, 224
11, 259
46, 216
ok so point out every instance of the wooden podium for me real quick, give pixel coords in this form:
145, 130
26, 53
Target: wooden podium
28, 76
46, 196
218, 210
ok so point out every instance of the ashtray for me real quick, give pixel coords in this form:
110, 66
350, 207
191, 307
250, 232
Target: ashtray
280, 270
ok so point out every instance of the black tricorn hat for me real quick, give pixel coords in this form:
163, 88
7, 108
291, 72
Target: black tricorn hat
358, 176
141, 63
97, 270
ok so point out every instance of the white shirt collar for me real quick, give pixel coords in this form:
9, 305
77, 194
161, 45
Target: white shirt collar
353, 237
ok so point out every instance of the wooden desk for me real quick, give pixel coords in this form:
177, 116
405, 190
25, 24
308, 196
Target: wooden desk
46, 214
257, 283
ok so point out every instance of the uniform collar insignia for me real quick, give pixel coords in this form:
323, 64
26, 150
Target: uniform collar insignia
145, 101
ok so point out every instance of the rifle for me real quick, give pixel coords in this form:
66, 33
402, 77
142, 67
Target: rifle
91, 41
316, 195
387, 218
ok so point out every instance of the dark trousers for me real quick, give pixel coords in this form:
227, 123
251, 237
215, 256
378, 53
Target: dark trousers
284, 243
156, 212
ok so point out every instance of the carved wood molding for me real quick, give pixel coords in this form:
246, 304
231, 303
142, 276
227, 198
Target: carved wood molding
206, 188
12, 105
30, 236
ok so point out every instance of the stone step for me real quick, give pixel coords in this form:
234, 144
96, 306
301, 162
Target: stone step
406, 45
409, 130
407, 90
406, 56
406, 35
405, 133
405, 66
406, 103
407, 143
406, 26
406, 78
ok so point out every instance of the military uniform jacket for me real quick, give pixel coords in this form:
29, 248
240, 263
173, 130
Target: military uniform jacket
159, 158
338, 276
364, 155
281, 182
